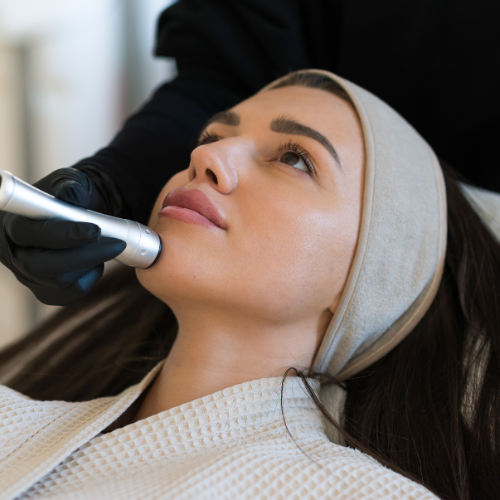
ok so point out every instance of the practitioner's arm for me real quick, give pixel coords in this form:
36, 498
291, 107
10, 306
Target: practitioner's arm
225, 51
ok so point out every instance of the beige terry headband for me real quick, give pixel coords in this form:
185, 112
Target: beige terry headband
400, 254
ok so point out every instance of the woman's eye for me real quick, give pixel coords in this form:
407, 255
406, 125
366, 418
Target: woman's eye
294, 159
207, 138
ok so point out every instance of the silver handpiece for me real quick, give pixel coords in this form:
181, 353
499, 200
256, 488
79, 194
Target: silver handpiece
17, 197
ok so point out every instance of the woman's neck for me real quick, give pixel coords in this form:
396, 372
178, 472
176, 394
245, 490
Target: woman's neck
209, 357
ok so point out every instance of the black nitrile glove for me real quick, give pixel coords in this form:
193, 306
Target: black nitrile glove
59, 261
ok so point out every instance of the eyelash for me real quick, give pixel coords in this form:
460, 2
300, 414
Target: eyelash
299, 151
208, 137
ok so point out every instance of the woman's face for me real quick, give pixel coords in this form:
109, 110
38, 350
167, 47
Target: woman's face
284, 171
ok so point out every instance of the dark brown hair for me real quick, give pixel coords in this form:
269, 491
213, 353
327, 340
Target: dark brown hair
429, 409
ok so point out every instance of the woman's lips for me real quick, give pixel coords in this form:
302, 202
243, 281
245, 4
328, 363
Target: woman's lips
192, 205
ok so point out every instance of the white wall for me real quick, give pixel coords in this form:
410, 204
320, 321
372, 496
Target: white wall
70, 71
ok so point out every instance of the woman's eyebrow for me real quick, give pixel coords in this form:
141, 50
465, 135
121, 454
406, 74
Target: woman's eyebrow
282, 124
287, 125
225, 117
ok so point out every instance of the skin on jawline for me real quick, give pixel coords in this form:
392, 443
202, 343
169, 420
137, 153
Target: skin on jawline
255, 298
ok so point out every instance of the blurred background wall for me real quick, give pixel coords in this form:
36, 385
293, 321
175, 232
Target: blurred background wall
70, 72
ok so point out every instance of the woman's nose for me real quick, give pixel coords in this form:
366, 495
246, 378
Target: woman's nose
209, 163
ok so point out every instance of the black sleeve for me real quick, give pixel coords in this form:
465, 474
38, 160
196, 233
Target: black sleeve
156, 143
254, 41
436, 62
225, 50
443, 78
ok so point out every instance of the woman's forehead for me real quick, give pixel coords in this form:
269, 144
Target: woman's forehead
307, 101
294, 109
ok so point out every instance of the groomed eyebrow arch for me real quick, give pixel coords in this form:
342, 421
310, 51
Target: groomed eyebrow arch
226, 118
286, 125
282, 124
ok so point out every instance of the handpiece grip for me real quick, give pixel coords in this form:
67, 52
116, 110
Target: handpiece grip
18, 197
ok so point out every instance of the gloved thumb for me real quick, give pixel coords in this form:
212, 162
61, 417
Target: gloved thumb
72, 186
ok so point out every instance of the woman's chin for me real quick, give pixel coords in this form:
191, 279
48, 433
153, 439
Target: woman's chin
180, 271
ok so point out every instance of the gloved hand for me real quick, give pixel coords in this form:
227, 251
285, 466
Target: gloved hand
59, 261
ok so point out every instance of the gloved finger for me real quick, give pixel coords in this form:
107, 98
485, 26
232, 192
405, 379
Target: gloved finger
37, 264
72, 186
64, 296
60, 280
73, 192
53, 234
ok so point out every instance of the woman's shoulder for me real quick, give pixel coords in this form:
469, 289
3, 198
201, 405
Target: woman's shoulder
37, 435
355, 471
335, 470
19, 412
22, 418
